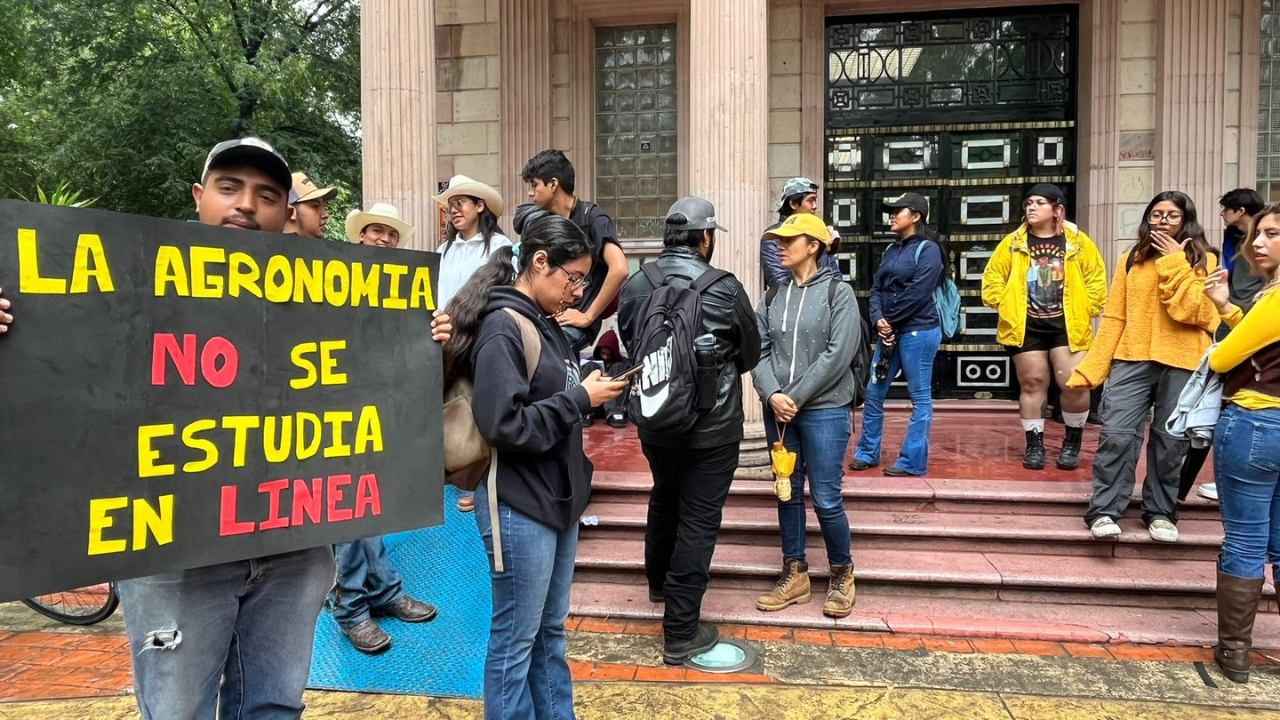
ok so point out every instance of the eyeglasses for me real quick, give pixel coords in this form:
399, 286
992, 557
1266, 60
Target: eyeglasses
577, 281
1156, 217
457, 203
1035, 203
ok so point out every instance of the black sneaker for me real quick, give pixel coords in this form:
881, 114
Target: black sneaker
617, 420
679, 652
657, 596
588, 420
406, 609
368, 638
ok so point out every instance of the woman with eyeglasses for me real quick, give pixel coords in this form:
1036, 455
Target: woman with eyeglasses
473, 211
543, 475
1156, 327
1047, 281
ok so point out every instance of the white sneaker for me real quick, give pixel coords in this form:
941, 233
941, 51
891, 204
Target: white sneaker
1208, 491
1163, 531
1104, 527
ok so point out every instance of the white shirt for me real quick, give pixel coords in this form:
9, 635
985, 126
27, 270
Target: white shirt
461, 261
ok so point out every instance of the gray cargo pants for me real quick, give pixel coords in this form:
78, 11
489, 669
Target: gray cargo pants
1131, 391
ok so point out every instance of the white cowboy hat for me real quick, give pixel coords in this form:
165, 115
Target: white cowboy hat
382, 213
463, 185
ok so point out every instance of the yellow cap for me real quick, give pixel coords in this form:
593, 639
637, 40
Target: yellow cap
802, 224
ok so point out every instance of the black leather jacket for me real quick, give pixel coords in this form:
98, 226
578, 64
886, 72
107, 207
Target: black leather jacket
726, 314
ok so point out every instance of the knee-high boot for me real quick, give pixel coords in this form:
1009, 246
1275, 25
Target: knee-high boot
1237, 607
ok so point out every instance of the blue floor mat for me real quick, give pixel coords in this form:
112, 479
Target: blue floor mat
447, 567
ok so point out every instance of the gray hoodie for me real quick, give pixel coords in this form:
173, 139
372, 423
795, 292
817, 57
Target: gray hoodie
807, 342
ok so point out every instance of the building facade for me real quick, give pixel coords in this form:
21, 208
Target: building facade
966, 101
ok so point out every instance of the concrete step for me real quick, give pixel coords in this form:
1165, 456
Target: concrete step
879, 611
867, 492
1071, 573
938, 531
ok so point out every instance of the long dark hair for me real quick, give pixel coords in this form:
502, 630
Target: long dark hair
1198, 250
488, 227
559, 238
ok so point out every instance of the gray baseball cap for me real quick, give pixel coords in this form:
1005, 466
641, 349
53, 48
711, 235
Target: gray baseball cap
252, 152
796, 186
693, 213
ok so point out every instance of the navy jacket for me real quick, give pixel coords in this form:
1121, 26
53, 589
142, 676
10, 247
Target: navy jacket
903, 289
771, 264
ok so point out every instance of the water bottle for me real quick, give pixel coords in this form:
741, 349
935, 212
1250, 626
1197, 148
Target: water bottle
704, 349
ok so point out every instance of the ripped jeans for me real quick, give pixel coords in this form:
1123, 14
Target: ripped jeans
236, 635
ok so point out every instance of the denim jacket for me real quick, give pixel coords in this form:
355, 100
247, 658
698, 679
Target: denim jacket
1198, 406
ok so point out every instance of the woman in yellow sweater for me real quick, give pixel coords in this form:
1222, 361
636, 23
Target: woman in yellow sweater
1156, 326
1048, 282
1246, 463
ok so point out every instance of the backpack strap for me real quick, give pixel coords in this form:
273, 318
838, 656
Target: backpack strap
653, 274
919, 248
532, 343
707, 279
769, 295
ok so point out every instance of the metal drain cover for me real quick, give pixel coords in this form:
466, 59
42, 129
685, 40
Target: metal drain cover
728, 656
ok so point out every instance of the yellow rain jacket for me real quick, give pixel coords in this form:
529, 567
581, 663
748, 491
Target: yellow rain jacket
1084, 289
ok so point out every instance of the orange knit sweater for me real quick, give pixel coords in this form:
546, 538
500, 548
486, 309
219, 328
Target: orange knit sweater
1156, 311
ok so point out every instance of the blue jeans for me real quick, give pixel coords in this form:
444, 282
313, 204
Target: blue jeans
237, 634
367, 581
915, 354
1246, 466
526, 676
819, 439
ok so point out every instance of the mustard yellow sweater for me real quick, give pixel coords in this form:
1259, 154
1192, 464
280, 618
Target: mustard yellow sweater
1249, 334
1156, 311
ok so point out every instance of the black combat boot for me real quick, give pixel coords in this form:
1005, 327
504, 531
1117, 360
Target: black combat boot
1034, 457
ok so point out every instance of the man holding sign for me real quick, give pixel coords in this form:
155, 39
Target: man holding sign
237, 634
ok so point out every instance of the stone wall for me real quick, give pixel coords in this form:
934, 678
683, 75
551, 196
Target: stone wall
784, 94
467, 82
1137, 167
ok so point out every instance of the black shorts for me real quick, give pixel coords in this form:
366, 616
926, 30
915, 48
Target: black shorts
1040, 341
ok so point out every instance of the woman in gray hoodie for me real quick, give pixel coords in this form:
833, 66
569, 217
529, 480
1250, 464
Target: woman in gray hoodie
809, 332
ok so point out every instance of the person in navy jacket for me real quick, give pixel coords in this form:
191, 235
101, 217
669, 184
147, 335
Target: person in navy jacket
904, 316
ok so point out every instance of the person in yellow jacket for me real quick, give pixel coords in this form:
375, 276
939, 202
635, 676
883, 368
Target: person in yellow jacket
1156, 326
1245, 440
1047, 281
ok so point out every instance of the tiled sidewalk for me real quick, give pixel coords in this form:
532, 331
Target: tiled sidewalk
43, 665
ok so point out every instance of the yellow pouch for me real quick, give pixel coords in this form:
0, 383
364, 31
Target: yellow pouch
784, 463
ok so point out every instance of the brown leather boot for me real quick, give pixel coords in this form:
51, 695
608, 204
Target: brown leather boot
792, 587
841, 594
1237, 608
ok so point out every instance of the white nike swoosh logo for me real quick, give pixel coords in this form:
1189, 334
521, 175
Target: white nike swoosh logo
651, 404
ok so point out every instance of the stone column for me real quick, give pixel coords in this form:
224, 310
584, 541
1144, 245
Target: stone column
729, 126
1100, 124
1250, 58
526, 91
813, 89
1191, 70
398, 111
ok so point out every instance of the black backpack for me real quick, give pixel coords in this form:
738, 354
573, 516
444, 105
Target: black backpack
861, 365
665, 399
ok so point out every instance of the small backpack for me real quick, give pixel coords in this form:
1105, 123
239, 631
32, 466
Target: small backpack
946, 297
466, 453
666, 397
861, 364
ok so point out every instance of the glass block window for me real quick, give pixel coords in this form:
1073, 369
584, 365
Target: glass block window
1269, 103
636, 166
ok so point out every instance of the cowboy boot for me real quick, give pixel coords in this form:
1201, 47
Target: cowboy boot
1237, 608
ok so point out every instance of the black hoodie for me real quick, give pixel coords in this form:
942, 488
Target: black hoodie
535, 427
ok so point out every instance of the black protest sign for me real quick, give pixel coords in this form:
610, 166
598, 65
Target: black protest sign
174, 395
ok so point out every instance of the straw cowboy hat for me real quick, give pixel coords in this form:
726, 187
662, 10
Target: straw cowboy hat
463, 185
382, 213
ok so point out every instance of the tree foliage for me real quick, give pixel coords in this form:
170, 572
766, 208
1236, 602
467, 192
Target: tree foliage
124, 98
